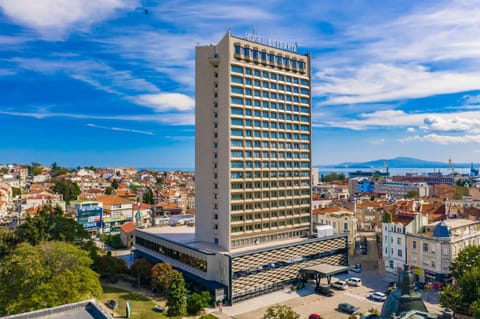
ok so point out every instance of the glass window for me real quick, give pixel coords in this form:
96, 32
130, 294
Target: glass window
237, 49
246, 51
248, 71
237, 79
237, 69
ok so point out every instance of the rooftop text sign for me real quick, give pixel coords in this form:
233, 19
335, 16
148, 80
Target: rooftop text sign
284, 45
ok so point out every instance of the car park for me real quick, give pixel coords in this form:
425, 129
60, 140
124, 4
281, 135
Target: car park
324, 290
339, 284
348, 308
378, 296
354, 281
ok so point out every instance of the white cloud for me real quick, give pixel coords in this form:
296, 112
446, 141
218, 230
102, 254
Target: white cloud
383, 82
443, 139
166, 101
165, 118
452, 122
411, 129
120, 129
379, 141
54, 18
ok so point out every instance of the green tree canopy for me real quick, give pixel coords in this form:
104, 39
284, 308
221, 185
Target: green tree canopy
47, 275
280, 312
334, 176
58, 170
176, 299
50, 224
461, 191
70, 190
110, 267
465, 260
412, 194
387, 217
109, 190
464, 296
148, 196
197, 301
114, 184
8, 241
142, 269
161, 276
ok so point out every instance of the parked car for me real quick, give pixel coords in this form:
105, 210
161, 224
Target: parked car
364, 251
314, 316
356, 268
354, 281
340, 284
347, 308
112, 304
324, 290
378, 296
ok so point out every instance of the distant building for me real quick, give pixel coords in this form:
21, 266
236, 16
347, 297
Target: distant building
430, 179
399, 189
343, 221
116, 212
89, 215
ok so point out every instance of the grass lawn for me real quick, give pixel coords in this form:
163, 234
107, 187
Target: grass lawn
140, 306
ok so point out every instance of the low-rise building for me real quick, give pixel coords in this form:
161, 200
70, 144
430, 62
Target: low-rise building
116, 212
432, 250
89, 215
400, 189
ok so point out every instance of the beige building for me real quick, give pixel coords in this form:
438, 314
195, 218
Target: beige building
252, 175
253, 142
432, 251
341, 219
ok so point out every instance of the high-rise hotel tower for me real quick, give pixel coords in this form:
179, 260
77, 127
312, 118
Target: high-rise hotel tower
253, 142
252, 230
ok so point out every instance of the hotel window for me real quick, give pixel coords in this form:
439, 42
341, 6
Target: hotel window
264, 56
246, 51
236, 79
237, 69
425, 247
255, 54
301, 65
271, 58
237, 49
248, 71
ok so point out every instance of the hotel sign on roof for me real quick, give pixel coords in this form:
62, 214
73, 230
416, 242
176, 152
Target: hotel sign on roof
284, 45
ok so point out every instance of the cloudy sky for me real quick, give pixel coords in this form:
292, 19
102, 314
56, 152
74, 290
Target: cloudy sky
101, 82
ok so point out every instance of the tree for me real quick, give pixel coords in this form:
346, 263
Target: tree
47, 275
109, 190
161, 276
70, 190
280, 312
8, 241
176, 300
110, 267
451, 297
465, 260
142, 270
197, 301
461, 191
50, 224
115, 184
333, 177
412, 194
387, 217
16, 192
148, 196
57, 170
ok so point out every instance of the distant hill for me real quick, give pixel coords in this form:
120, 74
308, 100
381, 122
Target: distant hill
398, 162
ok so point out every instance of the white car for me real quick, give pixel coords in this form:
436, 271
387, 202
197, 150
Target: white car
340, 284
354, 281
378, 296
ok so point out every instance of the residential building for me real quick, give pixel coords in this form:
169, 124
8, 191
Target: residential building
89, 215
341, 219
253, 175
126, 234
431, 251
116, 212
143, 214
394, 234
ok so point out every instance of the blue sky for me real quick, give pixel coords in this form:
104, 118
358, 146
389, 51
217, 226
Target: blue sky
99, 82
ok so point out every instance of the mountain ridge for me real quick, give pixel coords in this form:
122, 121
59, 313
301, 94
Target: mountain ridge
397, 162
